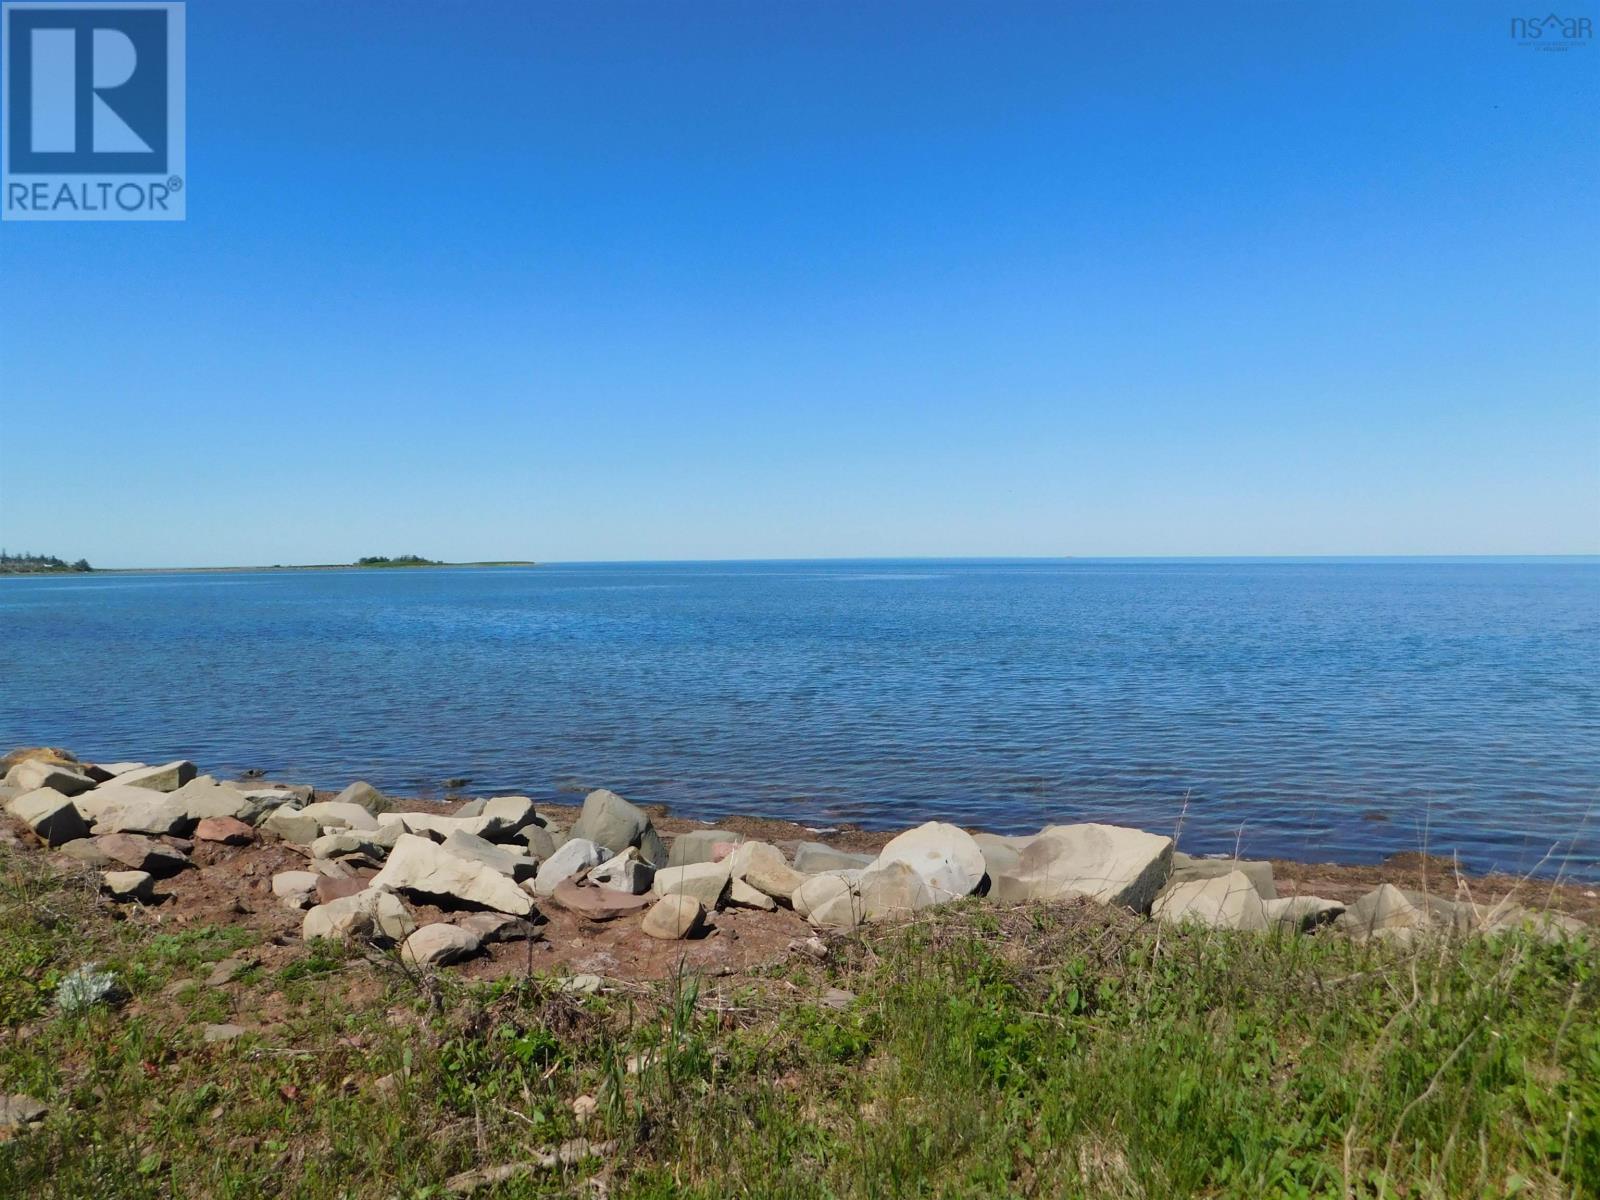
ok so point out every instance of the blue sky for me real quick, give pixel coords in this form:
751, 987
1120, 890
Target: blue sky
688, 280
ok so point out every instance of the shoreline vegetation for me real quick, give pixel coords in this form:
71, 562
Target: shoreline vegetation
399, 560
21, 565
247, 988
40, 564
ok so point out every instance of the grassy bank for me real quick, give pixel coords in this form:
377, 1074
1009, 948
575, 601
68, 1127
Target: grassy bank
1057, 1050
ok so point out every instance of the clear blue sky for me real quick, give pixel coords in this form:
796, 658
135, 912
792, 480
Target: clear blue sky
680, 280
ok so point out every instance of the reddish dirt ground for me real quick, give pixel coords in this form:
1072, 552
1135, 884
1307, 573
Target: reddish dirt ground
234, 884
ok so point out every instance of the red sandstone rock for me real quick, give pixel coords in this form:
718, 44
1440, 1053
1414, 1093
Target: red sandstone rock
230, 831
595, 903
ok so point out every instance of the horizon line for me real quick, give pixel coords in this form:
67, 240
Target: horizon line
513, 564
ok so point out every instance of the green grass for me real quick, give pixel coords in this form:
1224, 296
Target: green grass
1054, 1051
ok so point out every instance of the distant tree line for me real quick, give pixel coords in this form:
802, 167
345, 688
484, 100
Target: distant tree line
38, 564
399, 560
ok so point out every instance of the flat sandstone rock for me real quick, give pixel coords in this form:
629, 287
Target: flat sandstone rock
127, 885
706, 882
1221, 902
32, 774
1109, 863
437, 944
574, 855
762, 866
896, 890
52, 816
168, 777
419, 865
596, 903
674, 918
226, 831
371, 915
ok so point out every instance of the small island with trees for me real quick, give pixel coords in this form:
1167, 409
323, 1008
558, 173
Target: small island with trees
40, 564
48, 564
399, 560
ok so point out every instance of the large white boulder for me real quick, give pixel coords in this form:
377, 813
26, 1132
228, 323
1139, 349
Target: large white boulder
419, 865
948, 860
1220, 902
1109, 863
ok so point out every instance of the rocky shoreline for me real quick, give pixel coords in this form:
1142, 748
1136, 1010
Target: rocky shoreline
614, 889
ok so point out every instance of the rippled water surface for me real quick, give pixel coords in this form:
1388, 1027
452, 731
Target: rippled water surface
1323, 709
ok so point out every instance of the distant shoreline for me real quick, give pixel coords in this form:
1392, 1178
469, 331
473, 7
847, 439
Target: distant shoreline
1079, 560
264, 570
302, 567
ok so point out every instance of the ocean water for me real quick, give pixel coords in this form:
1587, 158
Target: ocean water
1320, 709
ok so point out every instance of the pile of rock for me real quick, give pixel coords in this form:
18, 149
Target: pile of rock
491, 862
